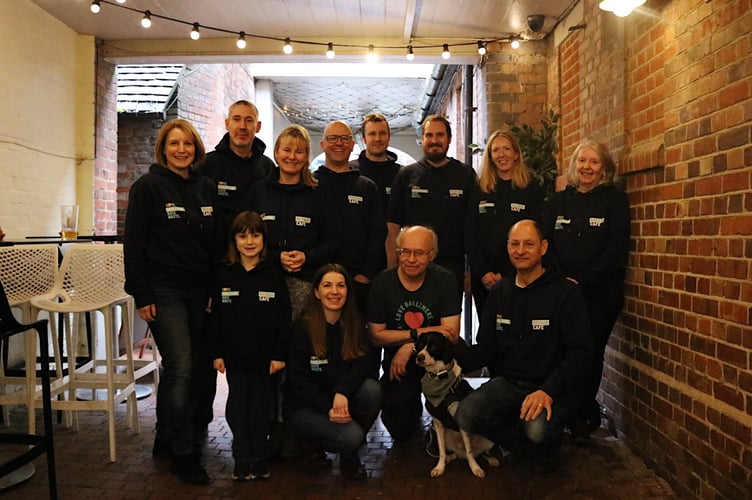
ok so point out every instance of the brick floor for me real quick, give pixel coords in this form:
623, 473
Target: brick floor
604, 469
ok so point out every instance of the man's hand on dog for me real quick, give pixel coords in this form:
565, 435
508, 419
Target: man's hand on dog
340, 412
398, 368
533, 405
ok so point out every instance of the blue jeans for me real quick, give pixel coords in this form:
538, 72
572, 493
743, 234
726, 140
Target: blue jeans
248, 412
311, 426
493, 411
180, 313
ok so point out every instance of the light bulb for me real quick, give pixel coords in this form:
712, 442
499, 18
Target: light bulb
95, 7
515, 44
410, 56
287, 48
445, 54
120, 1
146, 20
241, 40
372, 57
330, 51
620, 8
482, 48
195, 35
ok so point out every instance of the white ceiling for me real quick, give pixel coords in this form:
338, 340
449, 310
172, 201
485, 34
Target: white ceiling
390, 25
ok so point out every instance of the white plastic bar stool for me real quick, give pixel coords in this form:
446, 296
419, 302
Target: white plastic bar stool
91, 280
26, 271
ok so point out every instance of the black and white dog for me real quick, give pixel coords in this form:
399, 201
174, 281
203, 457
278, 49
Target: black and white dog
444, 387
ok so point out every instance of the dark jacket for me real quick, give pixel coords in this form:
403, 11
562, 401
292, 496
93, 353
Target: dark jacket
489, 219
588, 235
380, 172
251, 315
356, 198
169, 233
537, 335
297, 217
234, 177
435, 197
312, 382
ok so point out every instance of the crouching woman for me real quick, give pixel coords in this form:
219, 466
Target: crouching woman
330, 401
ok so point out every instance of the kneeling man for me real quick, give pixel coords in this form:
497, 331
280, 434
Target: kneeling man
534, 331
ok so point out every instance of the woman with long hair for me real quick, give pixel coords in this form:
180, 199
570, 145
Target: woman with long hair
330, 400
508, 194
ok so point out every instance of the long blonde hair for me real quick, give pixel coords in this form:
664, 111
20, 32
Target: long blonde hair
521, 176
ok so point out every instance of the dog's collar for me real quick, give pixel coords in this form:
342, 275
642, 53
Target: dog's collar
443, 373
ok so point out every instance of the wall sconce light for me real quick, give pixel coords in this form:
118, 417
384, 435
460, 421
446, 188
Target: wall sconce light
620, 8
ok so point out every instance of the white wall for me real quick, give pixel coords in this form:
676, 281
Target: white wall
46, 120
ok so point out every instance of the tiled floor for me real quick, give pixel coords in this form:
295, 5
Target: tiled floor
604, 469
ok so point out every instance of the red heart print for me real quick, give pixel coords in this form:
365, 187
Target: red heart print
414, 319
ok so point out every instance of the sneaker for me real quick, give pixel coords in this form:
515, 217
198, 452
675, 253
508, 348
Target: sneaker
351, 467
161, 449
260, 470
188, 469
432, 444
241, 472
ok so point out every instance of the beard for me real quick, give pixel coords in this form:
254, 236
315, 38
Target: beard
436, 157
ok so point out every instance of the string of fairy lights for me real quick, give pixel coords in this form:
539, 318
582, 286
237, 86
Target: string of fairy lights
287, 43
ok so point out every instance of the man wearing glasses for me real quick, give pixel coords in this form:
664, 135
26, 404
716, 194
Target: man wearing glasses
405, 301
356, 198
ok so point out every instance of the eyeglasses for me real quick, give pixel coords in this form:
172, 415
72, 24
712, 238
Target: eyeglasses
331, 139
418, 254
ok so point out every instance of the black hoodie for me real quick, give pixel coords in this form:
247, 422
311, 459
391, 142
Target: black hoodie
234, 177
356, 198
297, 217
380, 172
588, 235
169, 233
539, 334
251, 315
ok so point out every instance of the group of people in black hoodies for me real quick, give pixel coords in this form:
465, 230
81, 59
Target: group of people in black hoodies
257, 239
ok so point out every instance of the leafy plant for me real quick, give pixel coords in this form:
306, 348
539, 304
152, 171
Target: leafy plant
539, 148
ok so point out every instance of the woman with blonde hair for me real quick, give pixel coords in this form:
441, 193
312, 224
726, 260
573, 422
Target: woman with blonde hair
508, 194
588, 229
303, 229
170, 227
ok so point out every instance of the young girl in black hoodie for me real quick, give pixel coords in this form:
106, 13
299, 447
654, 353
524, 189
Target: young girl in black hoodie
250, 322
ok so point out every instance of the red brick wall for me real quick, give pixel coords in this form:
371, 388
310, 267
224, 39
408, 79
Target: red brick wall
515, 85
105, 154
670, 90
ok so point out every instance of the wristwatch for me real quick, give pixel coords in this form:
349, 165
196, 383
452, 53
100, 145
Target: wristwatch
413, 334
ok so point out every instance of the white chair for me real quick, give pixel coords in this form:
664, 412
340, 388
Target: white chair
26, 271
91, 279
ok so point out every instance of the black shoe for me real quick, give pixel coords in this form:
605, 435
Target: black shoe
580, 432
351, 467
432, 443
318, 459
260, 470
161, 449
188, 469
241, 472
